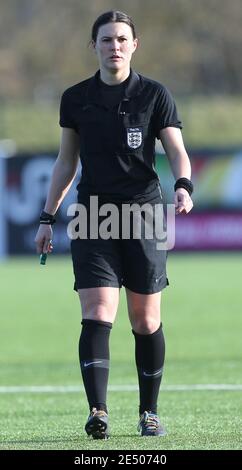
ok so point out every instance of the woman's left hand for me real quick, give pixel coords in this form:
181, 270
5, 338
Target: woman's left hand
183, 202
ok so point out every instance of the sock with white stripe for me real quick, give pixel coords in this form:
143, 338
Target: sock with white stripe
150, 356
94, 361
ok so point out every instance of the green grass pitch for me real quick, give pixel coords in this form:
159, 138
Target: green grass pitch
39, 331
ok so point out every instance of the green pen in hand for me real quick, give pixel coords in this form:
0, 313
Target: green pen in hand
43, 258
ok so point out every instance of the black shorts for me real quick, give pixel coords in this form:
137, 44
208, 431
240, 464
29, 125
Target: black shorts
134, 263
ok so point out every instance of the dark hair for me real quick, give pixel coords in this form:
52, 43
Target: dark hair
112, 17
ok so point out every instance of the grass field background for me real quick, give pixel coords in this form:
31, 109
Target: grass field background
39, 332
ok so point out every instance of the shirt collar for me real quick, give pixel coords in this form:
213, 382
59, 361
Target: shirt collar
133, 87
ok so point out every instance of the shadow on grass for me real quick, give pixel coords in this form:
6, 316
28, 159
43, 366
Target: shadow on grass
65, 440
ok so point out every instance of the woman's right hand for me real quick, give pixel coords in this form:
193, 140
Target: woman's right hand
43, 239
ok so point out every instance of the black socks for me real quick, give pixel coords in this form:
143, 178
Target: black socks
150, 356
94, 361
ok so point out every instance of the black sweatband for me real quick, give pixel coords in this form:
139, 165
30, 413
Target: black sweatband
46, 219
184, 183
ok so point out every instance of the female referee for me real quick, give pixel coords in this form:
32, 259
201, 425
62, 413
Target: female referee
111, 121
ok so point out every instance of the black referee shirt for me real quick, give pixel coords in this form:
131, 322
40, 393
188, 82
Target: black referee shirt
117, 143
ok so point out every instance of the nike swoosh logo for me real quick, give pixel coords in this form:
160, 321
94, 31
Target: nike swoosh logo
86, 364
151, 375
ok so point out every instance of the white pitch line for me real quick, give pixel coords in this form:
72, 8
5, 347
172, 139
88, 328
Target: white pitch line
118, 388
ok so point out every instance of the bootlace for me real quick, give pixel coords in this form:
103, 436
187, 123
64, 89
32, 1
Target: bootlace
150, 420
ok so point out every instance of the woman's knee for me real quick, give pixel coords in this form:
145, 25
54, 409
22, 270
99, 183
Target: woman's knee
99, 313
145, 324
98, 304
144, 312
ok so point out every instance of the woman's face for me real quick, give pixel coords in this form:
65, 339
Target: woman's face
114, 46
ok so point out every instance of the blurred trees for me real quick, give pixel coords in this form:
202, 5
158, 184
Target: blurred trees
192, 46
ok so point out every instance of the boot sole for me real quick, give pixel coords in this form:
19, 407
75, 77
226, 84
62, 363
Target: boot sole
97, 429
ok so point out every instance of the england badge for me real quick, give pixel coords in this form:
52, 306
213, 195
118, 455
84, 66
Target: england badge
134, 137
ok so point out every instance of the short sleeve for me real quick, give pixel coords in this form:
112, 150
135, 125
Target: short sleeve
66, 119
165, 112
